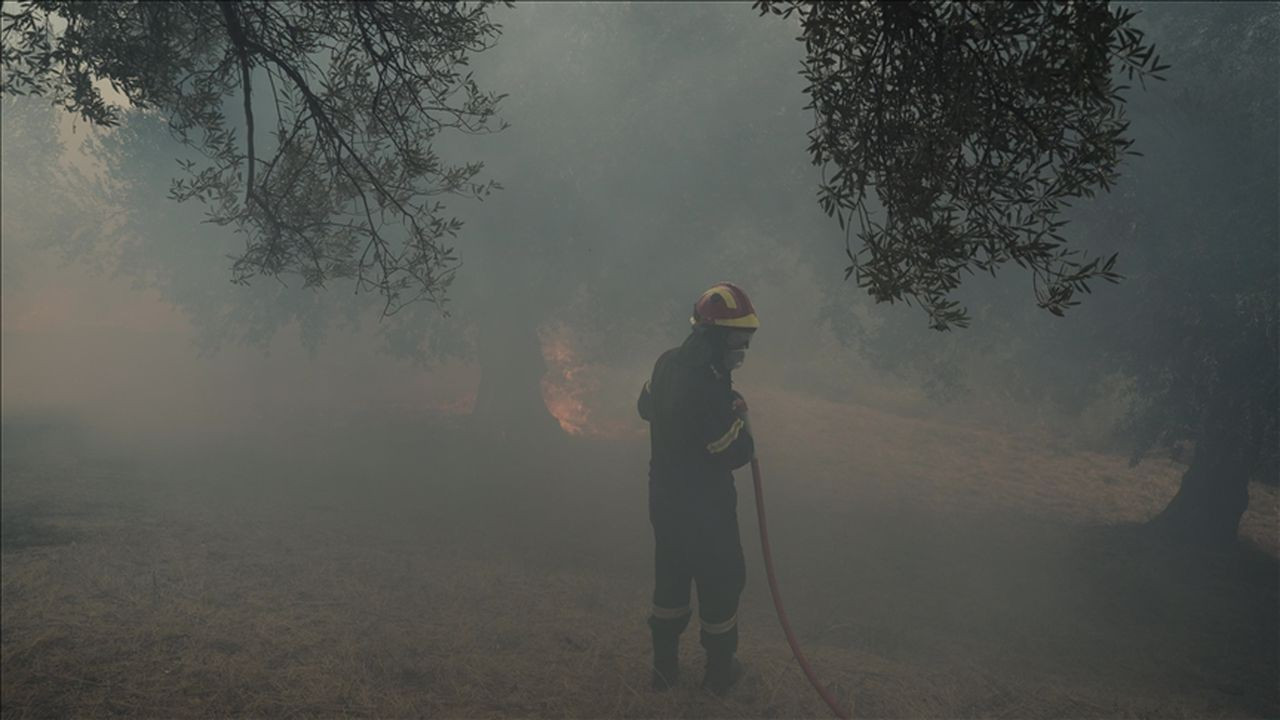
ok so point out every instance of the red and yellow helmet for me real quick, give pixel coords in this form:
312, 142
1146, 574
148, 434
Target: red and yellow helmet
725, 305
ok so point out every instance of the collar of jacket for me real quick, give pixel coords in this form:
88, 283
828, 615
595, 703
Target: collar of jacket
697, 351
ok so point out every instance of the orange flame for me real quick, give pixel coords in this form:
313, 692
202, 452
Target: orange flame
567, 382
575, 391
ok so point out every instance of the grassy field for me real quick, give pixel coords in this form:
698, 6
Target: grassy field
931, 570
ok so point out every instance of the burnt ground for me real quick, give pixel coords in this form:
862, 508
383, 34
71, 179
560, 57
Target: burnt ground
930, 571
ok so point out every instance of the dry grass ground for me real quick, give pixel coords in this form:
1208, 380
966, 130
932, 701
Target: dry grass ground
932, 570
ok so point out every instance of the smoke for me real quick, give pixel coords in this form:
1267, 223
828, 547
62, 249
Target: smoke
928, 491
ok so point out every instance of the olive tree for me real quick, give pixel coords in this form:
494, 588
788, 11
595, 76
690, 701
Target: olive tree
347, 182
953, 135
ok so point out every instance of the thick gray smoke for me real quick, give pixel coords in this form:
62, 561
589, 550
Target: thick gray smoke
269, 500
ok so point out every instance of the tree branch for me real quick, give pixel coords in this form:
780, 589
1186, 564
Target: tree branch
236, 32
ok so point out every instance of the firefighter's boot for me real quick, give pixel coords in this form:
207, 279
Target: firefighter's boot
666, 651
723, 670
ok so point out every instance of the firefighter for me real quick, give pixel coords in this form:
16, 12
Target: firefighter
699, 433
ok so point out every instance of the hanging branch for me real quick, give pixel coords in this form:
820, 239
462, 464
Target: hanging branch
351, 181
954, 136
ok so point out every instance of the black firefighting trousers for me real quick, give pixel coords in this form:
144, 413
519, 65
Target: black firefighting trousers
695, 531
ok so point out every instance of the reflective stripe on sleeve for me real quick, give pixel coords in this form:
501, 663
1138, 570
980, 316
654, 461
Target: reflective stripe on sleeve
727, 439
719, 628
663, 613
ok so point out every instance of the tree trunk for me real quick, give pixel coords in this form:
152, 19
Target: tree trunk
1215, 489
509, 400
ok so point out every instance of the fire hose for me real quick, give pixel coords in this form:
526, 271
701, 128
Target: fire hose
777, 599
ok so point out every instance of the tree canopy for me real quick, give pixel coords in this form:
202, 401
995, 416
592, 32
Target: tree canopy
1183, 357
348, 183
955, 134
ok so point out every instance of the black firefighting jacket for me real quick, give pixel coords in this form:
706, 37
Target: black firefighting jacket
696, 438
